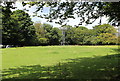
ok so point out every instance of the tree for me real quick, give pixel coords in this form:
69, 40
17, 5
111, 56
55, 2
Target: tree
67, 32
42, 41
105, 34
25, 27
76, 36
47, 35
87, 11
47, 28
8, 24
112, 10
52, 34
90, 38
56, 36
105, 28
40, 33
107, 38
17, 28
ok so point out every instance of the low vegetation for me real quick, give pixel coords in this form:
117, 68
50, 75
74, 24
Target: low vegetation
61, 62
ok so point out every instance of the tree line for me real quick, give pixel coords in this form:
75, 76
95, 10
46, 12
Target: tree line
100, 35
18, 29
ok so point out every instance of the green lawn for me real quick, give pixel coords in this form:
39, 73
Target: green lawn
31, 62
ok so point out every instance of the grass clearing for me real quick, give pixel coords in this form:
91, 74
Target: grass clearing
49, 55
37, 62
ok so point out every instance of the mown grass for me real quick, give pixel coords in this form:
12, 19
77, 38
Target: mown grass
61, 62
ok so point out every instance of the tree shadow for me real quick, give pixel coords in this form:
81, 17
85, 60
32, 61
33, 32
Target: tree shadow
97, 67
117, 50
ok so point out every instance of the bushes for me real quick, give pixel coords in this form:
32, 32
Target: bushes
43, 41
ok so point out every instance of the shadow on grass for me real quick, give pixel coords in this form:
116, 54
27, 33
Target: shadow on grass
100, 67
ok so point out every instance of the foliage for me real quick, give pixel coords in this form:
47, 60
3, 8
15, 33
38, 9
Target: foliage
47, 34
40, 33
7, 24
105, 34
25, 27
105, 28
88, 12
100, 34
107, 38
76, 35
55, 36
112, 11
43, 41
39, 29
17, 27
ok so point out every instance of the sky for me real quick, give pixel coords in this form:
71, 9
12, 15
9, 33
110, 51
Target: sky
71, 22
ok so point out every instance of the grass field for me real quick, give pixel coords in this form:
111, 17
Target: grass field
91, 62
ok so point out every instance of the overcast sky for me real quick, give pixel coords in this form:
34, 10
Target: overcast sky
71, 22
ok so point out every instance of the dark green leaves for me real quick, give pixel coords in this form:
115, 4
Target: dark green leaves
89, 10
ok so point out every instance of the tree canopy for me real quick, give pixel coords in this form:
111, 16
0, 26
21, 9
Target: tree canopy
17, 27
87, 12
46, 34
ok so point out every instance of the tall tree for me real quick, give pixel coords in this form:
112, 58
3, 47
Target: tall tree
7, 23
17, 27
46, 34
105, 28
40, 32
56, 36
107, 38
25, 28
76, 35
105, 34
39, 29
52, 34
